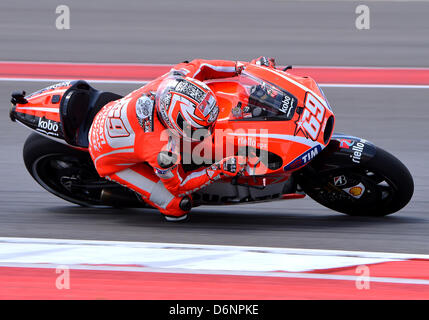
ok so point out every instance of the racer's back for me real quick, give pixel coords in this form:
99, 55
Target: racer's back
126, 132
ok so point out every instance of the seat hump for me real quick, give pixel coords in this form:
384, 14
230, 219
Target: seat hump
78, 107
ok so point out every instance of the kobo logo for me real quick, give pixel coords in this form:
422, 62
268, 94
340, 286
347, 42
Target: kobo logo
49, 125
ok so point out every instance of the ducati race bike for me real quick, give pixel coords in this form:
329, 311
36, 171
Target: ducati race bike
282, 121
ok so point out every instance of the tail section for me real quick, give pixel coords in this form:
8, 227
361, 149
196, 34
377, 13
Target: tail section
40, 111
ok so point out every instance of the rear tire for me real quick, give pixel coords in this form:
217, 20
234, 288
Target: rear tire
49, 162
388, 186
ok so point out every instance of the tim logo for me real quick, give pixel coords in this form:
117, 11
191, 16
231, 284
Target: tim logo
303, 159
346, 143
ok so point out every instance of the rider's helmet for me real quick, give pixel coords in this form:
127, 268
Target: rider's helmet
185, 105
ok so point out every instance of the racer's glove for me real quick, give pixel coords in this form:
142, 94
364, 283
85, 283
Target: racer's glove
264, 61
229, 167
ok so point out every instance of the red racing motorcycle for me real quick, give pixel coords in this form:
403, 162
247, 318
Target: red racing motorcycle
282, 121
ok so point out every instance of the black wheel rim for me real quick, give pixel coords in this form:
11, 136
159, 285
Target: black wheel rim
57, 172
377, 190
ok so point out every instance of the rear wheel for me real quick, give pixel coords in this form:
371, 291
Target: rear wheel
64, 171
381, 186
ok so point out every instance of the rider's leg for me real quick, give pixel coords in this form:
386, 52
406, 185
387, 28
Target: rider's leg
143, 180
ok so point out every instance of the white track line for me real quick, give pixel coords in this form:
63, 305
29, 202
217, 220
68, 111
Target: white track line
192, 258
175, 258
163, 245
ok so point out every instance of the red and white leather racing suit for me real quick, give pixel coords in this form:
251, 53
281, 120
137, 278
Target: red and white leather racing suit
125, 143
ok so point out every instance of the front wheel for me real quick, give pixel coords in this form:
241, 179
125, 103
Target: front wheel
378, 187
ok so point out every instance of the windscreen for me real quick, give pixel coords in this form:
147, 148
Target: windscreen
267, 101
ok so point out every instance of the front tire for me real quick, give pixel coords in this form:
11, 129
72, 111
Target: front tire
384, 183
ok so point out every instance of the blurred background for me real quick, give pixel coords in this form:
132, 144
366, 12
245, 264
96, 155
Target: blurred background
300, 33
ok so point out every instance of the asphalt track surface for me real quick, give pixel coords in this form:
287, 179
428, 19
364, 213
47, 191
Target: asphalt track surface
300, 33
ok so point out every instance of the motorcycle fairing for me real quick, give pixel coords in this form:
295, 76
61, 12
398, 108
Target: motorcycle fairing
63, 111
346, 151
276, 132
40, 110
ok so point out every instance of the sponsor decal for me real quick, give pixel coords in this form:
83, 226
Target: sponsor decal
164, 105
356, 148
356, 191
247, 112
207, 106
357, 151
165, 174
161, 172
288, 105
189, 89
340, 181
54, 86
303, 159
144, 112
247, 141
48, 126
346, 143
213, 115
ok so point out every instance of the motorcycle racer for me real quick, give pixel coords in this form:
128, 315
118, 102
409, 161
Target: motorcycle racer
129, 145
281, 123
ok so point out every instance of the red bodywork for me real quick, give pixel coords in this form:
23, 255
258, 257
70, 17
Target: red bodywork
295, 141
291, 143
